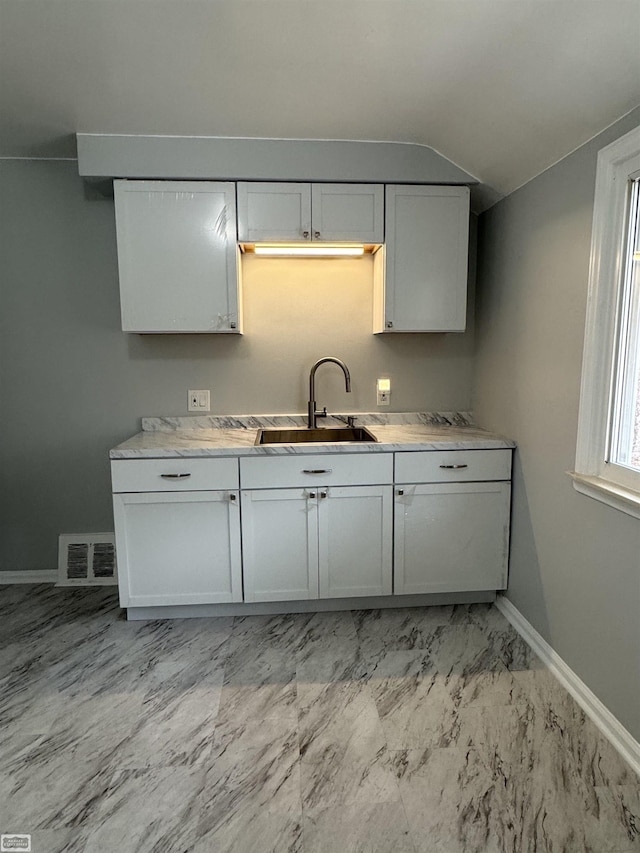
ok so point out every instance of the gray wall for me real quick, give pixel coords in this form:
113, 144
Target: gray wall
72, 384
575, 562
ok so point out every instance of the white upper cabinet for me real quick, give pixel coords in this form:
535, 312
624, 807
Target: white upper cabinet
421, 281
177, 256
348, 213
275, 213
300, 212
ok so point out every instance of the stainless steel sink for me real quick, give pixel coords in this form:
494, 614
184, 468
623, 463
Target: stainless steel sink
302, 435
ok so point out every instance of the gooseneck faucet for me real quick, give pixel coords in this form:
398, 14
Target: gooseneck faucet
313, 414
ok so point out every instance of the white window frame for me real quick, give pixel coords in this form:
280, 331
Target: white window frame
594, 475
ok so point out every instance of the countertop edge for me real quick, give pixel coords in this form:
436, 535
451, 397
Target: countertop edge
489, 443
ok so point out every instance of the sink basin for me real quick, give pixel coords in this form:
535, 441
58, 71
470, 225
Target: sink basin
302, 435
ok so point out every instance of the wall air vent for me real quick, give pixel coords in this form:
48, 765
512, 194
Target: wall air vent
87, 559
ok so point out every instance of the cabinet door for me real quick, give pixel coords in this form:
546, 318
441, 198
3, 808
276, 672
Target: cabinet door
280, 544
177, 256
451, 537
355, 536
274, 213
426, 258
351, 213
181, 548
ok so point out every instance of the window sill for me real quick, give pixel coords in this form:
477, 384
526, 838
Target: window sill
619, 497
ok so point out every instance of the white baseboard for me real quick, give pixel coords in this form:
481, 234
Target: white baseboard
37, 576
599, 714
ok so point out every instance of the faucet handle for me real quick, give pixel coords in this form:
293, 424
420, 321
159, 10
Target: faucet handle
349, 420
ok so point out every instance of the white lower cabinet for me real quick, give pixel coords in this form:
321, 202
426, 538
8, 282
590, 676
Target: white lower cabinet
324, 542
452, 535
355, 541
178, 548
316, 526
280, 544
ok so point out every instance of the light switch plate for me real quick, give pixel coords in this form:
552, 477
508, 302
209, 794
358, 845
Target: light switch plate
199, 401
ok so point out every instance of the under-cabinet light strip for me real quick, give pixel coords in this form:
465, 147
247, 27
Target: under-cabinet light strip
310, 251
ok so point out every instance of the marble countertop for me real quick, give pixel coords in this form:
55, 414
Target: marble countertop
236, 435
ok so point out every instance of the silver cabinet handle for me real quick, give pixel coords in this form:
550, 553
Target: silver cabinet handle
316, 234
305, 234
455, 466
323, 494
317, 470
175, 476
312, 494
232, 497
233, 325
400, 492
389, 324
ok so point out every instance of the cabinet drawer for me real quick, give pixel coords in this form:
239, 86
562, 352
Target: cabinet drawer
173, 475
447, 466
272, 472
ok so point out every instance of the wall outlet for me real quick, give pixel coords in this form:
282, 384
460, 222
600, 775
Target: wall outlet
383, 391
199, 401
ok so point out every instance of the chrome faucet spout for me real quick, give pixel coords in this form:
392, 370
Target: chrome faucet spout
312, 412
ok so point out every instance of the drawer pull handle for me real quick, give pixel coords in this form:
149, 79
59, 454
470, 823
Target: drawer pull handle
400, 492
232, 497
312, 494
455, 466
323, 494
175, 476
317, 470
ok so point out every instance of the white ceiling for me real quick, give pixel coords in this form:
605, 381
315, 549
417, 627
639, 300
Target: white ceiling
503, 88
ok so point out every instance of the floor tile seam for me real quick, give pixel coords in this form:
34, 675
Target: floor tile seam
313, 755
580, 771
246, 803
365, 696
408, 822
375, 743
45, 823
624, 787
324, 645
146, 770
432, 750
289, 743
223, 719
484, 751
192, 652
157, 700
579, 792
414, 830
320, 646
310, 812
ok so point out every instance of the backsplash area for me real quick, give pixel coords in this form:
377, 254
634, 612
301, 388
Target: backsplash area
457, 419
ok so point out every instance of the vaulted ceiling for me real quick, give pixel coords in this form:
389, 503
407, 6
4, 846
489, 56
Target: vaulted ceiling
503, 88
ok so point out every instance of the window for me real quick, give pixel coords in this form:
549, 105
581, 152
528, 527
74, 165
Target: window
625, 423
608, 448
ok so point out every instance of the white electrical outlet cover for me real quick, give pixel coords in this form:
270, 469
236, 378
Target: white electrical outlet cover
199, 401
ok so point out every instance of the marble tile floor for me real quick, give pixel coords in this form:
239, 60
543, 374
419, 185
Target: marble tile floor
428, 730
